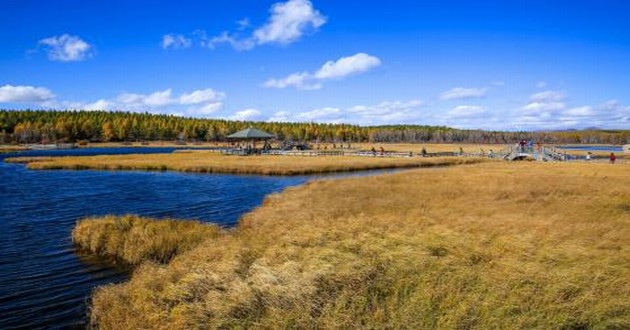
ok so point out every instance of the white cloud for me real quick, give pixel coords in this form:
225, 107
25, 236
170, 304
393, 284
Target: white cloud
66, 48
302, 80
159, 98
25, 94
327, 114
243, 23
175, 41
98, 105
541, 84
338, 69
466, 111
289, 21
387, 112
462, 93
226, 38
201, 96
346, 66
542, 103
206, 110
548, 96
280, 116
535, 107
579, 111
247, 114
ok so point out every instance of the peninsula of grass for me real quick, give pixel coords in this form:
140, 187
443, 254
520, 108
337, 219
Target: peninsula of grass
10, 148
492, 245
134, 239
207, 162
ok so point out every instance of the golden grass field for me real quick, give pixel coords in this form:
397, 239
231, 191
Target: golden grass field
207, 162
490, 245
10, 148
134, 239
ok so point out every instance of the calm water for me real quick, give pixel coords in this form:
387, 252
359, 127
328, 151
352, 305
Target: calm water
594, 148
44, 283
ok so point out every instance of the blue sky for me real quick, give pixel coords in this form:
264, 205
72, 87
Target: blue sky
514, 65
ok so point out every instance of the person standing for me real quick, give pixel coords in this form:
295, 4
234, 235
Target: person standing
612, 158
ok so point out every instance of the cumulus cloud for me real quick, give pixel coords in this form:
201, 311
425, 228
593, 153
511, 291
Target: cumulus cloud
202, 102
301, 80
343, 67
534, 107
327, 114
206, 109
246, 115
197, 103
98, 105
346, 66
25, 94
466, 111
159, 98
288, 22
280, 117
543, 103
175, 41
66, 48
547, 110
201, 96
227, 38
579, 111
548, 96
462, 93
387, 112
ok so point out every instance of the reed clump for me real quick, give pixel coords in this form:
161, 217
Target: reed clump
134, 239
492, 245
207, 162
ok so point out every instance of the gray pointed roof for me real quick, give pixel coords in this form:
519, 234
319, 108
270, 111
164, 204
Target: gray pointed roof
250, 133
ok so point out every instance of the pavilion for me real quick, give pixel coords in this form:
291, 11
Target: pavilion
251, 134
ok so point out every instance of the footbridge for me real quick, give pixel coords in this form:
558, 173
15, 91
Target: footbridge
544, 154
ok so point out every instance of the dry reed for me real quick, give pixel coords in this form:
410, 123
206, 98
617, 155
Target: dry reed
206, 162
493, 245
134, 239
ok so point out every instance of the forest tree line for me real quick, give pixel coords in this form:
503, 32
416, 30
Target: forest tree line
40, 126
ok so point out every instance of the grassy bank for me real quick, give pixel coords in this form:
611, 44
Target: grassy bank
135, 239
206, 162
493, 245
10, 148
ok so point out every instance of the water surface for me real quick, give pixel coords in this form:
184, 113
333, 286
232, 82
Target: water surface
44, 283
593, 148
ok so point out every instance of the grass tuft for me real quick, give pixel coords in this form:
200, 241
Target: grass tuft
134, 239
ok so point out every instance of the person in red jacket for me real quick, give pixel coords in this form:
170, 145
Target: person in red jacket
612, 158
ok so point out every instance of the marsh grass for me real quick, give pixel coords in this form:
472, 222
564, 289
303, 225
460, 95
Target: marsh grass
10, 148
134, 239
207, 162
493, 245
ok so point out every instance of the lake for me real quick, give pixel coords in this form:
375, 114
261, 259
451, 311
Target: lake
44, 283
592, 148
